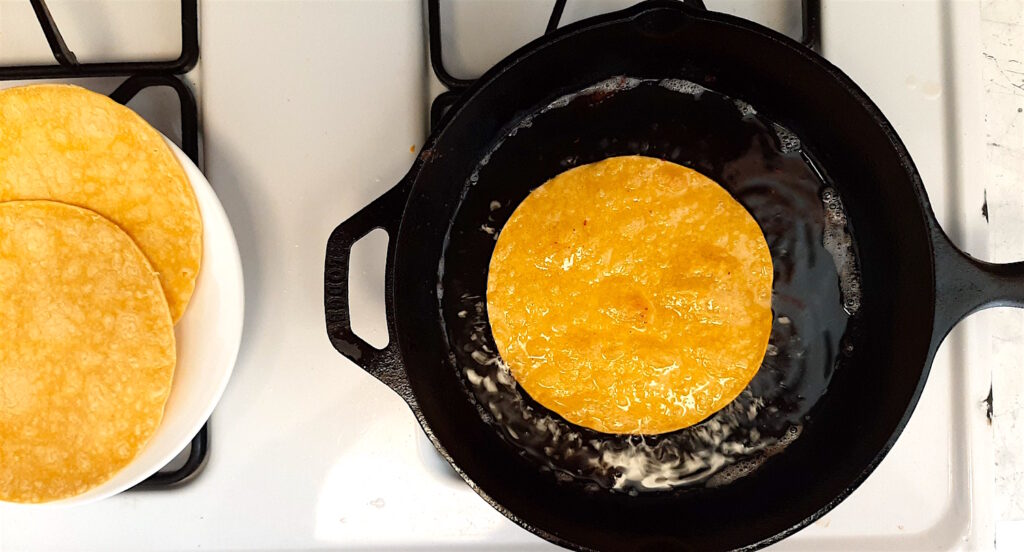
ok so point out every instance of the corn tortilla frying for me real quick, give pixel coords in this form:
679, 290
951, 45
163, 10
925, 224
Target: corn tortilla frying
632, 295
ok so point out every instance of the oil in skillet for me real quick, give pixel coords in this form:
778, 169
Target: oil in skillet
767, 169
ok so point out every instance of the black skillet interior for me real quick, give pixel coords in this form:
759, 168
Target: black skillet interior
764, 167
868, 399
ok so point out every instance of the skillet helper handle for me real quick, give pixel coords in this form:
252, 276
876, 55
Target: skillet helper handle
965, 285
385, 364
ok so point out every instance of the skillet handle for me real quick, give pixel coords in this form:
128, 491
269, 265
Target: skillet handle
965, 285
385, 364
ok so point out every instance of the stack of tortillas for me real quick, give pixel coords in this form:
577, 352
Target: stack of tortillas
100, 247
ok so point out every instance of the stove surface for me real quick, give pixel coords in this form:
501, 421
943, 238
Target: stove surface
311, 110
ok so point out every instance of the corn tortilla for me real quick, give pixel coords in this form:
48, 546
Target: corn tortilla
68, 144
632, 295
87, 351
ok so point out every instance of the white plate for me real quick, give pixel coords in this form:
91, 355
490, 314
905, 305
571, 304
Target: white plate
207, 336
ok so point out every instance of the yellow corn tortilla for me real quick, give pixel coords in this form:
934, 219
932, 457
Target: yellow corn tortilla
87, 350
632, 295
68, 144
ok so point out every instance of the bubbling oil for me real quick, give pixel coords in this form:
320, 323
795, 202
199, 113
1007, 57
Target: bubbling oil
816, 292
839, 243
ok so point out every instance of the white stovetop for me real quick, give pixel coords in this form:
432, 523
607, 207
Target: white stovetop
310, 111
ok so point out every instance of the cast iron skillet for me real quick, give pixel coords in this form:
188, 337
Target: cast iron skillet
849, 386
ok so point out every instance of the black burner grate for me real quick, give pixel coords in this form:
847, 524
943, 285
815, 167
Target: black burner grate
68, 67
139, 76
810, 37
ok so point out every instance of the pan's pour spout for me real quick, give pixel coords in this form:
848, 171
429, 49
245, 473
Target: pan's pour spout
964, 285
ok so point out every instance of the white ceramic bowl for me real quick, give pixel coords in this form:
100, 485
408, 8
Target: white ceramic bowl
208, 336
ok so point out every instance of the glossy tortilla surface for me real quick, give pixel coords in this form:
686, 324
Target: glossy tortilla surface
631, 295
